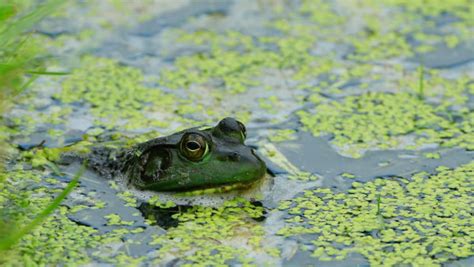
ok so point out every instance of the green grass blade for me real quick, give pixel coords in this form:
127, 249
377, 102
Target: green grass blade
47, 72
28, 83
27, 22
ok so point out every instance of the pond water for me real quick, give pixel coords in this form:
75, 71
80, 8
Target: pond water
362, 111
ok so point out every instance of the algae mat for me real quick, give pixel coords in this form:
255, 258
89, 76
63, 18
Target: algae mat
363, 111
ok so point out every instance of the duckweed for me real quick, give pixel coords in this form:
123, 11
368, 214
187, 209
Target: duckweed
348, 175
282, 135
231, 70
115, 219
425, 220
129, 198
384, 121
432, 155
213, 236
116, 94
57, 241
155, 201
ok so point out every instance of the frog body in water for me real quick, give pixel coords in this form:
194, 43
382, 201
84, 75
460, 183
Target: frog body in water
189, 159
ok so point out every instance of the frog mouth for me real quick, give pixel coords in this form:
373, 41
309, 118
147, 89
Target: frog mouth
221, 189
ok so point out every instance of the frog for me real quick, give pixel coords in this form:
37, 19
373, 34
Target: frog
194, 158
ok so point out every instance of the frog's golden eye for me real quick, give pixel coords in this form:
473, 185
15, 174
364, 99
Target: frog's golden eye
194, 146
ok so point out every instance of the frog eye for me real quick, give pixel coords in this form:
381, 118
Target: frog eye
194, 146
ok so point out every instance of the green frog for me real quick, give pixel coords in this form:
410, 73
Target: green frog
190, 159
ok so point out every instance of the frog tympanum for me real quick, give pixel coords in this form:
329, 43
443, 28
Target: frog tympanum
189, 159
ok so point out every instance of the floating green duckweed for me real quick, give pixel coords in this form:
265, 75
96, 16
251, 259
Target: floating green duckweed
129, 198
459, 8
214, 236
380, 46
116, 94
232, 70
382, 120
282, 135
57, 241
348, 175
425, 220
388, 36
155, 201
115, 219
432, 155
47, 156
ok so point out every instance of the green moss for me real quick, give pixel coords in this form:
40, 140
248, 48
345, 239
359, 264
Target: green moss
423, 220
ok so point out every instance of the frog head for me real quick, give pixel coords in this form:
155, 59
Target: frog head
195, 158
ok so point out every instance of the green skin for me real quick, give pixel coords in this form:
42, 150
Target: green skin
190, 159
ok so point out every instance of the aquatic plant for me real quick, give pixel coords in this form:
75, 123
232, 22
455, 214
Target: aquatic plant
20, 54
7, 241
378, 120
117, 95
208, 236
421, 220
35, 228
22, 60
21, 57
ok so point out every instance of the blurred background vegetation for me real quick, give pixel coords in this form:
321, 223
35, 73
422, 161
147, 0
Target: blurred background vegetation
22, 58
